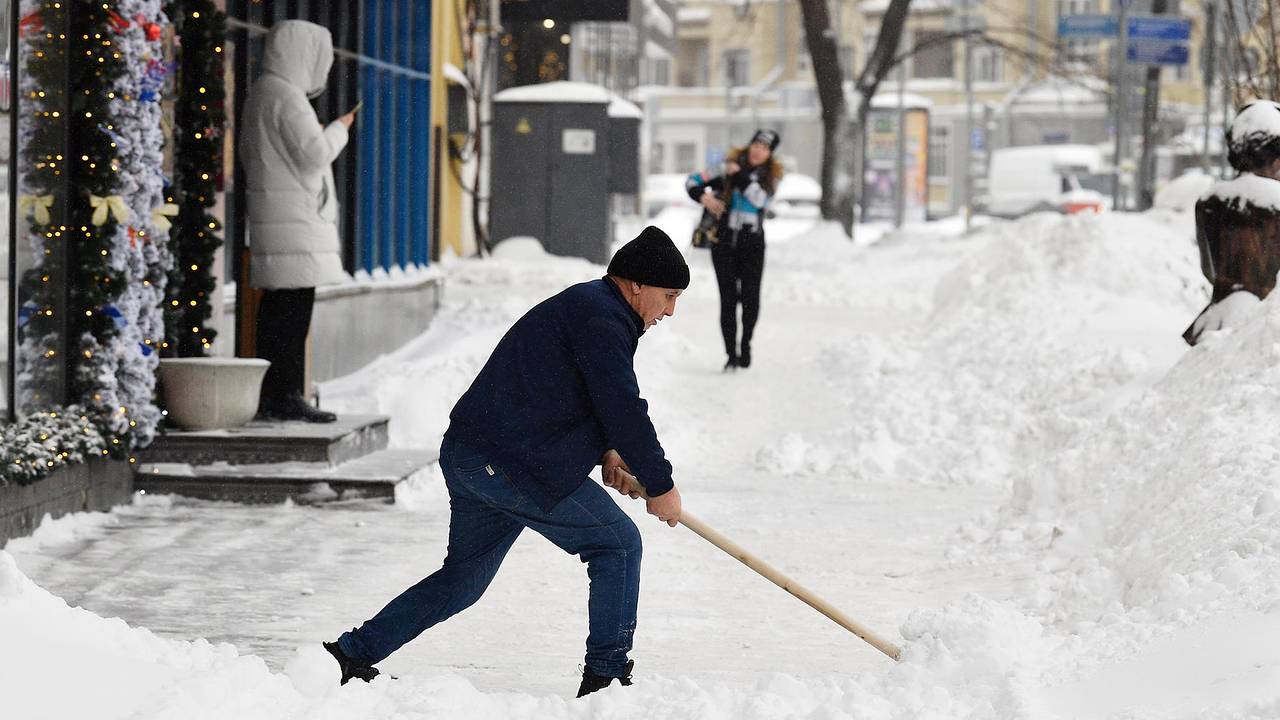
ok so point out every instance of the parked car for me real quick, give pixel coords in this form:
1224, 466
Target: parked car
1054, 178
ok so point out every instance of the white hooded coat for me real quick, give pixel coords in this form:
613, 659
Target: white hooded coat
287, 157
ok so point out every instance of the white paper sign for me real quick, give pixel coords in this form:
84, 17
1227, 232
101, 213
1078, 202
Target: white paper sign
576, 141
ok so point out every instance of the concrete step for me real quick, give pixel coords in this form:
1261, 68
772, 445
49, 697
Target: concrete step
263, 442
371, 476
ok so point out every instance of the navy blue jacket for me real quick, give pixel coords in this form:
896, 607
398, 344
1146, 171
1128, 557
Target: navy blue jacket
558, 391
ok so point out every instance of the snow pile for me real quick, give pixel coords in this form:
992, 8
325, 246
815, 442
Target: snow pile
1181, 193
1158, 536
1168, 511
1031, 336
974, 659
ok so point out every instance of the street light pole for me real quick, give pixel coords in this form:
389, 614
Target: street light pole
1122, 96
968, 23
968, 122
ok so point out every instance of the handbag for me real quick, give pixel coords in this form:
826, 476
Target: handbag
705, 234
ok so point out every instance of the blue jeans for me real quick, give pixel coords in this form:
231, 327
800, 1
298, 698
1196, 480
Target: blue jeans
487, 514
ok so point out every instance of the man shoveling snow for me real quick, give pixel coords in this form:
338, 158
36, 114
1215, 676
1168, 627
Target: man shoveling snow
557, 397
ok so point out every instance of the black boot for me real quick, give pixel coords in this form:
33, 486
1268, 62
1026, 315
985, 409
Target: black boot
294, 407
744, 357
349, 668
592, 682
732, 364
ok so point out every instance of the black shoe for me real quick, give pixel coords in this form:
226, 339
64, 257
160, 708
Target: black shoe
732, 364
293, 407
592, 682
744, 358
349, 668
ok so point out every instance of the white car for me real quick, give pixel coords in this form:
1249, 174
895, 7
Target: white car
1054, 178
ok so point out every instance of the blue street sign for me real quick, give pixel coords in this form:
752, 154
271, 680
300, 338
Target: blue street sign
1088, 26
1159, 27
1158, 52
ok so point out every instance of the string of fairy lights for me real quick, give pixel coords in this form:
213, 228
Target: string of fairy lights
81, 318
199, 118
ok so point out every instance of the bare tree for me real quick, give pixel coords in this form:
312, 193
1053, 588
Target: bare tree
1250, 48
842, 139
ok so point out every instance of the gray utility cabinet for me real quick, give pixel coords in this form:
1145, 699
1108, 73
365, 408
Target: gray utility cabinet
550, 177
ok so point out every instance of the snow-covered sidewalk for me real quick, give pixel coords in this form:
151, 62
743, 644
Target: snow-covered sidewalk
973, 445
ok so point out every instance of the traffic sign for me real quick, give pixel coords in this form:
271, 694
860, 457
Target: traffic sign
1159, 27
1158, 52
1088, 26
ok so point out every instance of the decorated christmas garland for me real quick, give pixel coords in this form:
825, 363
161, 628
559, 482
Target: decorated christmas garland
199, 118
89, 129
43, 442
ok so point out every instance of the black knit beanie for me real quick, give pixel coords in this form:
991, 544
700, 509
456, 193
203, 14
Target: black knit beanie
651, 259
768, 138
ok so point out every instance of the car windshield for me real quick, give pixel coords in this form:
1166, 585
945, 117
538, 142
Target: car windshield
1102, 183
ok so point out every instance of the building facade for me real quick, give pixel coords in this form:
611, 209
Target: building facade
740, 65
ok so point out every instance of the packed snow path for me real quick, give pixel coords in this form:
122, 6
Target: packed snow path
899, 393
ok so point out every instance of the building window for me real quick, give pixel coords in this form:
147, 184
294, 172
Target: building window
661, 69
988, 64
1077, 7
686, 157
939, 153
693, 63
737, 69
935, 57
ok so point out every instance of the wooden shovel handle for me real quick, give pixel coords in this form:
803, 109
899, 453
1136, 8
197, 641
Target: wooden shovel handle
778, 578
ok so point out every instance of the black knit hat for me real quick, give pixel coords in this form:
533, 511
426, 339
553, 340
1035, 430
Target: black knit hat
651, 259
768, 138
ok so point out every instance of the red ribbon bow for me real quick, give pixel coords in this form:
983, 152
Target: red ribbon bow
31, 21
117, 22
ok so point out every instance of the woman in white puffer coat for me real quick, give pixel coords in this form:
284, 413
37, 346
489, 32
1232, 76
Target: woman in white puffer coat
293, 206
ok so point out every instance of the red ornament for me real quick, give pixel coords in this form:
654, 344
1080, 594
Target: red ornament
152, 30
117, 22
32, 21
133, 236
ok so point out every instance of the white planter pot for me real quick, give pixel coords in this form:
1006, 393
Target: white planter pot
211, 393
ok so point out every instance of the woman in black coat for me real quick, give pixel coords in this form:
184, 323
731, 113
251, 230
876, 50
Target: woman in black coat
737, 198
